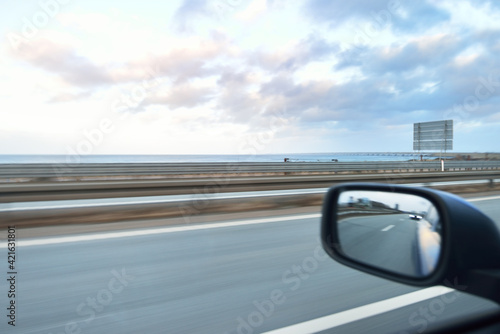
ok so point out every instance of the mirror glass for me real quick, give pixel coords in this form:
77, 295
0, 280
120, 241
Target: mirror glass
397, 232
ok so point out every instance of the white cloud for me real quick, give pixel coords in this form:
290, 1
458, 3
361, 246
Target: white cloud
193, 81
255, 9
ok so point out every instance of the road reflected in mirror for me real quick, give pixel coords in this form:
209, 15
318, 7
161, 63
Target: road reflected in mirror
400, 233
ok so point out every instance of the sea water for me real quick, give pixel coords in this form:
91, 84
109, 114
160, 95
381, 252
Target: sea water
165, 158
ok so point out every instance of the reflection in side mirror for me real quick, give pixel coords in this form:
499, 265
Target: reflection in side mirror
396, 232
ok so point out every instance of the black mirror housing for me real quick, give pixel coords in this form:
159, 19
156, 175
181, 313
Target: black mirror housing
470, 242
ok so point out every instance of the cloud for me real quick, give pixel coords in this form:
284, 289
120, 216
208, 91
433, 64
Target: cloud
401, 15
422, 66
236, 99
255, 9
311, 49
431, 74
93, 23
69, 97
184, 63
181, 96
324, 101
178, 64
62, 60
491, 3
428, 51
189, 11
191, 59
397, 78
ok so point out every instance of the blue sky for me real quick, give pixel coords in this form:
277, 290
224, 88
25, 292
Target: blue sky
246, 76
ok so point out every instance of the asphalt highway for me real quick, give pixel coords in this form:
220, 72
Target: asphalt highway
242, 276
386, 241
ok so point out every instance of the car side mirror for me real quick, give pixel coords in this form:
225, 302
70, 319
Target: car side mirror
396, 232
416, 236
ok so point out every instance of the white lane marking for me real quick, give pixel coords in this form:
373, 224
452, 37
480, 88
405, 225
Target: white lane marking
135, 233
387, 228
478, 199
362, 312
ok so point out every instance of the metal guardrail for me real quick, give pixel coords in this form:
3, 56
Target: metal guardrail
187, 198
24, 214
145, 169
